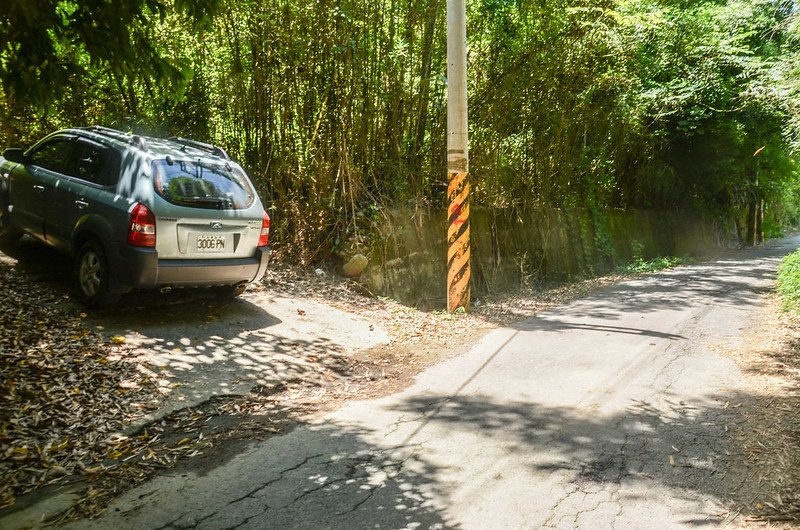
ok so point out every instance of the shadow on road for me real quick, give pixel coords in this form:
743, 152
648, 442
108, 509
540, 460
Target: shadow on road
557, 325
677, 455
324, 476
737, 280
343, 482
656, 466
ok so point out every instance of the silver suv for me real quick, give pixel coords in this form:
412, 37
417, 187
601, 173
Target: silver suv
136, 212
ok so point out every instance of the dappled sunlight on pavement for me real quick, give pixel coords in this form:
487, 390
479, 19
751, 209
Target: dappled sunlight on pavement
208, 347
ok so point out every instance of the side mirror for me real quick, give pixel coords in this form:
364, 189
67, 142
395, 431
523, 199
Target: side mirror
15, 154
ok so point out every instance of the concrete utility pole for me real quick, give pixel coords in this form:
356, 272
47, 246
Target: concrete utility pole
758, 211
458, 265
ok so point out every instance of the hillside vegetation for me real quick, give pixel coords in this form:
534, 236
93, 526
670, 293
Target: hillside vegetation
337, 108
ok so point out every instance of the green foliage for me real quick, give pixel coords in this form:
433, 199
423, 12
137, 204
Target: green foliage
789, 281
603, 241
640, 265
336, 106
47, 44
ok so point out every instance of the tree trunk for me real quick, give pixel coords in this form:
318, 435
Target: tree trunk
425, 83
739, 231
760, 222
750, 237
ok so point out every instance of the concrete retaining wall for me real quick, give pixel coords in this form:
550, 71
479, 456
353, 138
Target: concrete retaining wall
512, 248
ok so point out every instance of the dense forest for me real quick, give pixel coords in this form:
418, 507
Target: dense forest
337, 108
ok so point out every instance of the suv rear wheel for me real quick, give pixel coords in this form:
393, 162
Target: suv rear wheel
91, 276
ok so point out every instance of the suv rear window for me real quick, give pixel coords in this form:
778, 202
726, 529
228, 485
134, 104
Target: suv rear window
202, 185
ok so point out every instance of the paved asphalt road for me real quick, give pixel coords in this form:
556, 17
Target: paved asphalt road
609, 412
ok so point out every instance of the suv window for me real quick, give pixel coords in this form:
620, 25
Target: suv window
94, 163
53, 154
202, 185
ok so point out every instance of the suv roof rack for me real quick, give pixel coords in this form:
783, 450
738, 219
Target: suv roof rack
133, 139
213, 149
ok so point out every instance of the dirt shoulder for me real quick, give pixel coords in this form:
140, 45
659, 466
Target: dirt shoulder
767, 440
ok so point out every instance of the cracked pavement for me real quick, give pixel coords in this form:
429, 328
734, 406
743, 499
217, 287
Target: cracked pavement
609, 412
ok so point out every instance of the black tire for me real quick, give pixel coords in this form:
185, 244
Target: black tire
91, 276
8, 234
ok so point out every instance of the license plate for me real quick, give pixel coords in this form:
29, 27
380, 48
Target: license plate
210, 243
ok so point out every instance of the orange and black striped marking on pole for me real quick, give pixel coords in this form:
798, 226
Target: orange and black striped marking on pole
458, 266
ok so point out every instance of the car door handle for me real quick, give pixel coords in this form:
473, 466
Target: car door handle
81, 204
38, 189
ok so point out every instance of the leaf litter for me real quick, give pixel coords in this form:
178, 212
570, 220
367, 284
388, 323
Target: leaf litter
64, 390
767, 442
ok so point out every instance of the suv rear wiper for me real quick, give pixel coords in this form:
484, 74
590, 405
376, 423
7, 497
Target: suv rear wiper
206, 202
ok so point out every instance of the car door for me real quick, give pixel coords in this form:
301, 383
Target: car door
90, 168
31, 184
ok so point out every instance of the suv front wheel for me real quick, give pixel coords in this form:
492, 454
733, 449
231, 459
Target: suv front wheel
8, 233
91, 276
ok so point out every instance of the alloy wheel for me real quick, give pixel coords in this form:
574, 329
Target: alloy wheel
90, 273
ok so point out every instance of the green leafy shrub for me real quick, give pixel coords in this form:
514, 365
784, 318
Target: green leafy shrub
789, 281
640, 266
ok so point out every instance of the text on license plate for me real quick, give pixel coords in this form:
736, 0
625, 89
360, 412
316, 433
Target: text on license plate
210, 243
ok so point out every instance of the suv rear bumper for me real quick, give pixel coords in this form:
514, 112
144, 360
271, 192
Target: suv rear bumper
134, 267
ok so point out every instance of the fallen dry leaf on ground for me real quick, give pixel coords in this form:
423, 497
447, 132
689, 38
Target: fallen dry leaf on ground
61, 396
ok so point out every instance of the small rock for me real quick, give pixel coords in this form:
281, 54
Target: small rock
355, 266
319, 272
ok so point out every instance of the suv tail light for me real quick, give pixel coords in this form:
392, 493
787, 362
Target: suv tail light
263, 239
142, 230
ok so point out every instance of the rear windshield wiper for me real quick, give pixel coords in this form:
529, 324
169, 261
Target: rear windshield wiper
204, 202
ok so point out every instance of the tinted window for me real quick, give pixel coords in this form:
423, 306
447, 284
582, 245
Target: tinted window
94, 163
53, 155
202, 185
